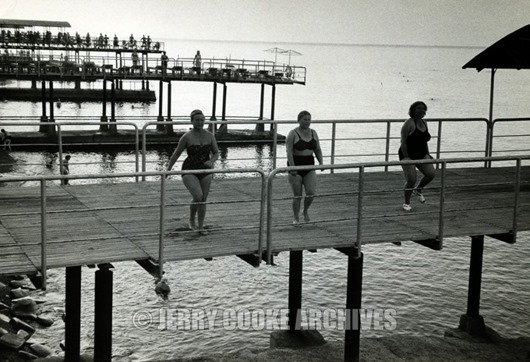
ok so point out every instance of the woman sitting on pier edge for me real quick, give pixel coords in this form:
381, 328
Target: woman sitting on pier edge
414, 137
202, 150
302, 142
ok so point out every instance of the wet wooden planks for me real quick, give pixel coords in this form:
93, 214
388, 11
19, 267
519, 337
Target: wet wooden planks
99, 223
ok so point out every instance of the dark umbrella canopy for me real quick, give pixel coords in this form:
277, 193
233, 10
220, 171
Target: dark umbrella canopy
511, 52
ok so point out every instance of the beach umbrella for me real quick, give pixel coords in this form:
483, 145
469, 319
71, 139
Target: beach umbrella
290, 52
510, 52
275, 50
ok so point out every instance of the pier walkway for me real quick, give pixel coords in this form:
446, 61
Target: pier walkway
107, 222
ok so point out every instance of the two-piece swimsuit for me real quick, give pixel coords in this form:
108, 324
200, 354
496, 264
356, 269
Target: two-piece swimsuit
302, 145
197, 156
416, 144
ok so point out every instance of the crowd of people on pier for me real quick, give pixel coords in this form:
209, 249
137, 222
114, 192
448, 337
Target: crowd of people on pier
65, 39
302, 147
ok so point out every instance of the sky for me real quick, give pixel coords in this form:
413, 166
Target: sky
396, 22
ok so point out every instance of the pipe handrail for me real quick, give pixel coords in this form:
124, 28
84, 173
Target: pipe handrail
163, 175
363, 165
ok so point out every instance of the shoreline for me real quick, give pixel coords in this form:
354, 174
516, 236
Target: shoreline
394, 348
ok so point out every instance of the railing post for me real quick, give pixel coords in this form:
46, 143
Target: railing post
136, 150
333, 141
274, 144
144, 149
517, 188
162, 222
387, 147
441, 220
360, 211
262, 216
60, 143
44, 228
439, 141
489, 142
269, 216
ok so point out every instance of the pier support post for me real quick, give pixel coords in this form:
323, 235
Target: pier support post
103, 127
352, 338
112, 125
472, 322
160, 118
103, 314
213, 128
77, 84
224, 128
169, 126
43, 128
260, 127
72, 314
51, 129
295, 337
273, 104
295, 289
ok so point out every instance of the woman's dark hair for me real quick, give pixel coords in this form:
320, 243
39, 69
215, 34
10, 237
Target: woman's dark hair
413, 107
303, 114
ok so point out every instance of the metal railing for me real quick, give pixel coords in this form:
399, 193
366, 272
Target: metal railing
361, 169
124, 66
44, 210
343, 141
58, 127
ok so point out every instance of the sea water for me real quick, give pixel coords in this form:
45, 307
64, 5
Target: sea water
422, 292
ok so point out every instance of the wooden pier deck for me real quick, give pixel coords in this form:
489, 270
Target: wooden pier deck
111, 222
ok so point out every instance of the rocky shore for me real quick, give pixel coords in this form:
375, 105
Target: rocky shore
22, 321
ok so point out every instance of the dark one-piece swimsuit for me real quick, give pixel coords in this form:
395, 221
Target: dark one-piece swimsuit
416, 145
197, 156
301, 145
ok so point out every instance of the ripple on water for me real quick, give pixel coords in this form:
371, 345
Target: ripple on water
427, 290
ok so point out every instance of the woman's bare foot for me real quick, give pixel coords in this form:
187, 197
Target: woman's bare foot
306, 217
191, 224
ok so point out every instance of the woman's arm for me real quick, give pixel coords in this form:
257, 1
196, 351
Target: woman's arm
289, 147
178, 151
318, 151
406, 130
215, 153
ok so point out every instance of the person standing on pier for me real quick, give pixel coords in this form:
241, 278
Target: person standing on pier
202, 150
414, 137
5, 138
302, 142
197, 62
164, 59
65, 170
134, 57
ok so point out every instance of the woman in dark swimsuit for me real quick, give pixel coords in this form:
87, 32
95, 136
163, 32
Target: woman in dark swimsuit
201, 147
302, 142
414, 138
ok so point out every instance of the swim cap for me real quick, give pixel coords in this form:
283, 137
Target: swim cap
195, 112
